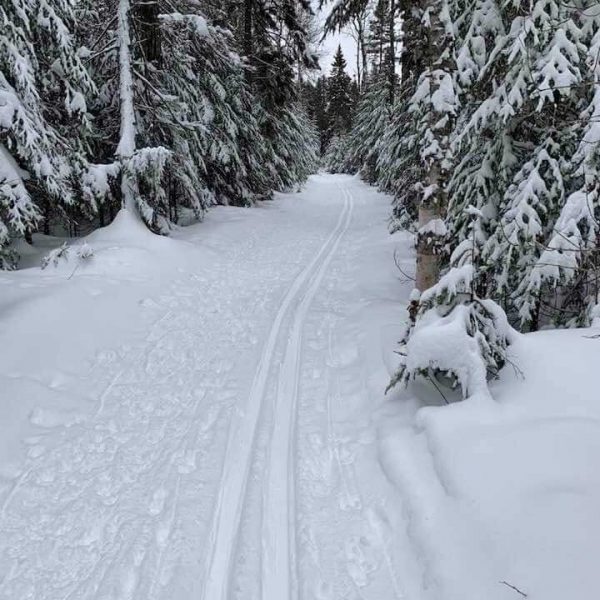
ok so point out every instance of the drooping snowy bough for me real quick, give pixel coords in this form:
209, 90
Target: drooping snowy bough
455, 335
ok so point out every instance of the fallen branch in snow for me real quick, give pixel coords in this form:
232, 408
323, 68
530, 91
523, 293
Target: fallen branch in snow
512, 587
518, 371
435, 385
408, 277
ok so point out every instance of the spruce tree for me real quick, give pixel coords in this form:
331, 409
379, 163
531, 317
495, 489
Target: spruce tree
340, 105
43, 114
370, 123
533, 91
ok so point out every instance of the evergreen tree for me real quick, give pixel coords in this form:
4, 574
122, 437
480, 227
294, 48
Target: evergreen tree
522, 202
516, 148
339, 96
195, 126
378, 37
43, 114
371, 121
316, 106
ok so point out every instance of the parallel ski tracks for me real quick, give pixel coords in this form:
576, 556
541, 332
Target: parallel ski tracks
278, 535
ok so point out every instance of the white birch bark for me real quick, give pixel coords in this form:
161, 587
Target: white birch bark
126, 146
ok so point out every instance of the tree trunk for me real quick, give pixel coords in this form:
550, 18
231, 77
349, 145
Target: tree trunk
248, 41
147, 14
392, 65
365, 66
438, 67
47, 217
428, 247
126, 147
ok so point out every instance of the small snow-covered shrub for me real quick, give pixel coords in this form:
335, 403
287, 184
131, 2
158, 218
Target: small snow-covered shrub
455, 335
54, 256
85, 252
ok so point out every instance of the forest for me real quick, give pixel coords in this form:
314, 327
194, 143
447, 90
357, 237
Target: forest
299, 299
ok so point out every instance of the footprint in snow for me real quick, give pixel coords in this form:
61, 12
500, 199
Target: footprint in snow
158, 501
361, 560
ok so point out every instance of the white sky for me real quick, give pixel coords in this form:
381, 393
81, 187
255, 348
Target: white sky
331, 43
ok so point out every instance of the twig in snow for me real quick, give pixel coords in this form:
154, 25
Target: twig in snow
515, 588
438, 389
518, 371
408, 277
74, 271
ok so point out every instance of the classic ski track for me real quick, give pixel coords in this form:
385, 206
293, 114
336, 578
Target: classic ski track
244, 425
279, 575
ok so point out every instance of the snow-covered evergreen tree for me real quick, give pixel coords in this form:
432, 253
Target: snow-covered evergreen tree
370, 123
526, 79
340, 102
455, 335
522, 199
43, 89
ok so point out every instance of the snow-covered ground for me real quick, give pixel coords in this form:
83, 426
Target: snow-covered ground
203, 417
506, 493
191, 417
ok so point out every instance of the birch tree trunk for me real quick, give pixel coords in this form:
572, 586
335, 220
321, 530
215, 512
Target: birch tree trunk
438, 120
126, 146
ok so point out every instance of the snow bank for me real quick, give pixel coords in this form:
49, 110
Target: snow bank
53, 321
507, 493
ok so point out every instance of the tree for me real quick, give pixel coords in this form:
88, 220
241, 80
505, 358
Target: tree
340, 102
370, 123
43, 114
315, 96
522, 203
527, 129
434, 107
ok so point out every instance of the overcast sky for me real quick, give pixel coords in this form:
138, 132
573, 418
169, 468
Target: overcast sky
331, 43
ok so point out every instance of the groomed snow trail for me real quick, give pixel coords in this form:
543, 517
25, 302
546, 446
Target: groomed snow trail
217, 442
242, 434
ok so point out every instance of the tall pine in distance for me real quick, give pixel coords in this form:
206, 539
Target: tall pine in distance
342, 92
340, 96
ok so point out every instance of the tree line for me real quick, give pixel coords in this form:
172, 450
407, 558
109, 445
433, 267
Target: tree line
159, 106
485, 128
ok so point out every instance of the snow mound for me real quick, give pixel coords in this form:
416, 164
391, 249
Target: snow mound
508, 491
126, 228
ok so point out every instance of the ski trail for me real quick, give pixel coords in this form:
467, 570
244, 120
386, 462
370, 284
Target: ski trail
240, 444
278, 540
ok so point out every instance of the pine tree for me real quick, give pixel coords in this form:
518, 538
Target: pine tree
194, 121
340, 103
523, 206
316, 105
43, 113
371, 121
516, 143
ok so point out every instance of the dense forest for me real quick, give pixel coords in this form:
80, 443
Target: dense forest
160, 107
299, 299
481, 120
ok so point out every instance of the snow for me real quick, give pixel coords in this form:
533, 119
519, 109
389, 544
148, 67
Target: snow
176, 412
435, 227
506, 491
203, 416
198, 23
